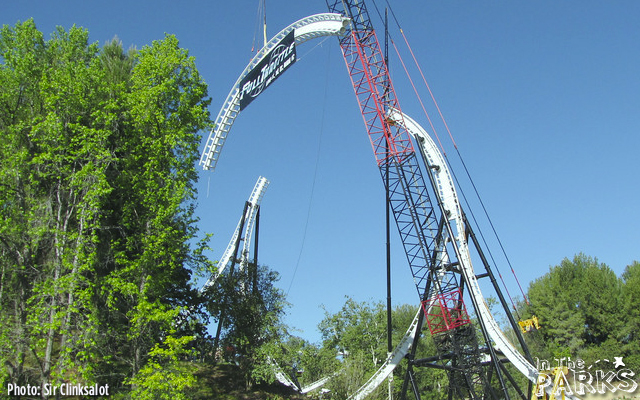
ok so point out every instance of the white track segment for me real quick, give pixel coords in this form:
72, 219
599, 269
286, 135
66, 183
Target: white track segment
281, 376
316, 384
326, 24
391, 362
254, 202
249, 218
448, 196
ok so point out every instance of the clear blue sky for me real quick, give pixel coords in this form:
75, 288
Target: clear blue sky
543, 99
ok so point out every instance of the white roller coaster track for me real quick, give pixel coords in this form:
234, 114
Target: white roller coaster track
280, 375
319, 383
447, 194
390, 363
249, 220
325, 24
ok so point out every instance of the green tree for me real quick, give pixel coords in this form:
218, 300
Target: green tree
579, 305
250, 308
97, 199
301, 360
164, 376
630, 334
150, 212
53, 182
357, 335
357, 327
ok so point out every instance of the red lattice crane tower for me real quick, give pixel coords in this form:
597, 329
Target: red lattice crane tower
417, 221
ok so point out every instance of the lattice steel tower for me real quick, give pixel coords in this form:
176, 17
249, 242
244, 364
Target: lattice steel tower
433, 230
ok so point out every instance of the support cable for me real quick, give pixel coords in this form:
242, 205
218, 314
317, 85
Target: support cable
415, 90
315, 174
484, 240
264, 11
319, 44
475, 221
255, 29
453, 173
486, 213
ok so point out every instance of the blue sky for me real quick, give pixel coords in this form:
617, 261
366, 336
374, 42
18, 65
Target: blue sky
543, 99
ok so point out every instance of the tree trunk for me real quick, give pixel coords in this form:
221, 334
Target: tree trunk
62, 224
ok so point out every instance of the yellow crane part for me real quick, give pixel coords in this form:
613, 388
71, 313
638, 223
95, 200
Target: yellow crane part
528, 325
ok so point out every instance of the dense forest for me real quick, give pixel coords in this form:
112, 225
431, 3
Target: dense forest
101, 251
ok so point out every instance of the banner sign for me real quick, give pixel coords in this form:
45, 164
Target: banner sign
268, 69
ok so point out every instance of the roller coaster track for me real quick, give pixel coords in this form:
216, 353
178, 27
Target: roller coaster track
311, 27
390, 363
447, 196
246, 223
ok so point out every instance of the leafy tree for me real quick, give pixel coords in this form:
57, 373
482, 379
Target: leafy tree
97, 174
357, 336
164, 376
301, 360
358, 332
630, 333
357, 327
150, 212
315, 362
250, 307
579, 305
53, 182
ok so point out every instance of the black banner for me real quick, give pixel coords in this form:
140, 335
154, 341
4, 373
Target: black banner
268, 69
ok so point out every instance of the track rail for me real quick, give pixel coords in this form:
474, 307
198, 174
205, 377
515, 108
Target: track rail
248, 221
311, 27
448, 196
390, 363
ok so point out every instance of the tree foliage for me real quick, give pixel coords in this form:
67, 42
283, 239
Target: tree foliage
584, 309
248, 308
585, 312
356, 337
164, 376
97, 198
630, 333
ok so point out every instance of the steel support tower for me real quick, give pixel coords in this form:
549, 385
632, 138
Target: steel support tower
430, 242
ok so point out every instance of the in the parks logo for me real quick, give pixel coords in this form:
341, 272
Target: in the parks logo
565, 376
